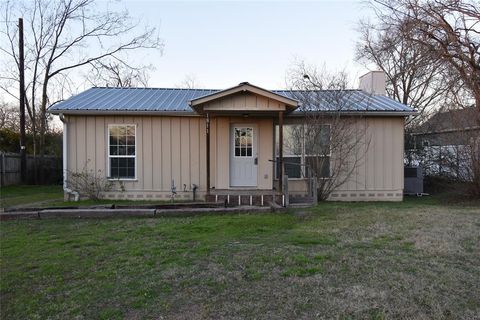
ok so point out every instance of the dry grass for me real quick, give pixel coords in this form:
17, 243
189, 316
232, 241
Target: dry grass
414, 260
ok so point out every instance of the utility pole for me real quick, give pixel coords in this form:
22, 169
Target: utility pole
21, 67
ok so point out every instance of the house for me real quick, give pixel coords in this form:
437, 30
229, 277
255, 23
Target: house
450, 127
448, 144
225, 144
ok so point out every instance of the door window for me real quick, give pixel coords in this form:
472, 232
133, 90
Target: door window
243, 142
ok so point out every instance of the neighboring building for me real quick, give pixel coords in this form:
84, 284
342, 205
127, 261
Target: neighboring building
452, 127
223, 141
446, 143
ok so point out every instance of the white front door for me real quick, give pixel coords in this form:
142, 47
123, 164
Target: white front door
243, 156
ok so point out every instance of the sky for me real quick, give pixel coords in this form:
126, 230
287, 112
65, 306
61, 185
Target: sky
221, 44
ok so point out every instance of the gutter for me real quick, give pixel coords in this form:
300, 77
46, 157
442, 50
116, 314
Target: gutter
369, 113
64, 147
195, 114
125, 112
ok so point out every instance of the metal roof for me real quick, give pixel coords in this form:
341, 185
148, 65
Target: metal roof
165, 100
344, 100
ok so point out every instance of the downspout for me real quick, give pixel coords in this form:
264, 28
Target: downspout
65, 136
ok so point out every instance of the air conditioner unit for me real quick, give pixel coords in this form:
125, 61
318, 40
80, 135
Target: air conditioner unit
413, 180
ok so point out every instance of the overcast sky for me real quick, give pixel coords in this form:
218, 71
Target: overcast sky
224, 43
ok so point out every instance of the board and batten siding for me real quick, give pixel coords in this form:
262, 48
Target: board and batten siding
244, 101
173, 149
169, 149
378, 173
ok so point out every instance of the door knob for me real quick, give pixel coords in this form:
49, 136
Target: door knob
256, 161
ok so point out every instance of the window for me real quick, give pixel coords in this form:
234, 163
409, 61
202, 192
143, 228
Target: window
317, 149
317, 140
319, 164
122, 151
304, 147
292, 150
293, 168
243, 142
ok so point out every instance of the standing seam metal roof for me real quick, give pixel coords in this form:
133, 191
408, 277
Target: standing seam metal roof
176, 100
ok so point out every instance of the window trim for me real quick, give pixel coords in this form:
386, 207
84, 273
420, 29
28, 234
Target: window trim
135, 178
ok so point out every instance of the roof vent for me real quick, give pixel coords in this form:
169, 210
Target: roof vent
242, 83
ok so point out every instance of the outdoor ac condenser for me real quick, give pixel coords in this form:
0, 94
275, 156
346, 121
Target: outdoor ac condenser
413, 180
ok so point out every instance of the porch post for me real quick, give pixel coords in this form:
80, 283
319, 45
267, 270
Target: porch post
280, 150
208, 152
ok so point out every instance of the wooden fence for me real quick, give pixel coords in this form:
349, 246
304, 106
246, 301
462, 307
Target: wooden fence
10, 169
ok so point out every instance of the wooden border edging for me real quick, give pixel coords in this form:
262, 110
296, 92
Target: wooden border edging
96, 213
210, 211
18, 215
127, 212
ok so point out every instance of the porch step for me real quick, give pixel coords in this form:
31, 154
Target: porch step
244, 199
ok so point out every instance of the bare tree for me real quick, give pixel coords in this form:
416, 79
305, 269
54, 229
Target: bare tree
62, 36
334, 144
118, 74
189, 82
414, 76
448, 29
9, 117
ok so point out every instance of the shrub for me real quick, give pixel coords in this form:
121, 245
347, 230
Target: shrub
90, 183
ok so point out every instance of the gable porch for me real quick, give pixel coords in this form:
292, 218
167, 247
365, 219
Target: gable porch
240, 140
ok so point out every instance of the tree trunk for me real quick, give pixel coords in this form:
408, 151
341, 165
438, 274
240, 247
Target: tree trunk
476, 151
477, 105
35, 168
35, 145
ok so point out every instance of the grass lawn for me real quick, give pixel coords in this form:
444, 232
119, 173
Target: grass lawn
415, 260
52, 196
29, 195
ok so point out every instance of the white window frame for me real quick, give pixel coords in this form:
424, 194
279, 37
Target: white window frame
121, 156
303, 155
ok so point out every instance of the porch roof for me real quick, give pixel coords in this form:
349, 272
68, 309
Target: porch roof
287, 104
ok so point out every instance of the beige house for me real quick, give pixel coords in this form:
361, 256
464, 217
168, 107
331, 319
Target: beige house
225, 144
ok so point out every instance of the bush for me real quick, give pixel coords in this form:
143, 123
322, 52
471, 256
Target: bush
90, 183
